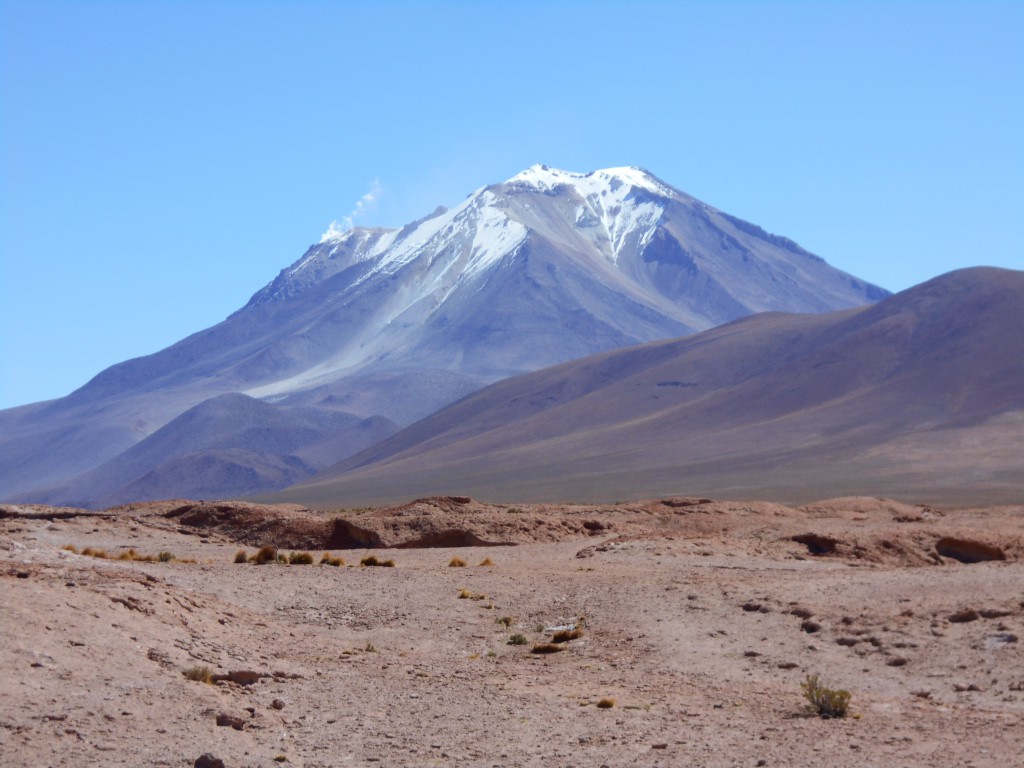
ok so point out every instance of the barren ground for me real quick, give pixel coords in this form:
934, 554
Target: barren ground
699, 619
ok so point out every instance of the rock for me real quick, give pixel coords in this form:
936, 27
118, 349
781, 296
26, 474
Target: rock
964, 616
277, 704
208, 760
244, 677
226, 720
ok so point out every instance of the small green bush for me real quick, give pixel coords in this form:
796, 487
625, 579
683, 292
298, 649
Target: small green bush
824, 702
165, 557
300, 558
517, 639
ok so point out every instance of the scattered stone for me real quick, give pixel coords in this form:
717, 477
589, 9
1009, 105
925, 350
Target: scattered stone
809, 626
964, 616
277, 704
241, 677
208, 760
999, 639
225, 720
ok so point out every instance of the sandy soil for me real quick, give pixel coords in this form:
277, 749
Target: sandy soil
699, 619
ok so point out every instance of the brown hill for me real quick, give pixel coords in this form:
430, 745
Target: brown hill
919, 396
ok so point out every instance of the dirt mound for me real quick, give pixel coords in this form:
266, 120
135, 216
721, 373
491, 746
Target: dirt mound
874, 507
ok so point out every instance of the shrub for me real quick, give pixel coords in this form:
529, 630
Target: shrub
606, 703
199, 675
565, 635
456, 562
517, 639
372, 560
486, 562
282, 557
300, 558
464, 594
505, 621
241, 556
129, 554
165, 557
547, 648
70, 548
825, 702
327, 559
266, 554
90, 552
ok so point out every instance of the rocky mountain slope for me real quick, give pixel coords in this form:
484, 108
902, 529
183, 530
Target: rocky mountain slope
918, 396
396, 323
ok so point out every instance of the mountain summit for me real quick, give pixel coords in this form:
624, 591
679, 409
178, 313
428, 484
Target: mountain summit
392, 324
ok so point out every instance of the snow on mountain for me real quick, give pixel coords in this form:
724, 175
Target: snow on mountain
545, 267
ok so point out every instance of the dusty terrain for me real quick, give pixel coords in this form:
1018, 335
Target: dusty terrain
699, 619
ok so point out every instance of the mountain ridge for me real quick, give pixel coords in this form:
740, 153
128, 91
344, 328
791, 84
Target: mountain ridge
395, 323
880, 399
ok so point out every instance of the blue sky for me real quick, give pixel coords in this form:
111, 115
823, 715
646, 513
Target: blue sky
161, 161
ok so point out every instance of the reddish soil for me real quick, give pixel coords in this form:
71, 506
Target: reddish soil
700, 619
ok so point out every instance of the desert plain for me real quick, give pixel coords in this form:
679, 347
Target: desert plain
696, 621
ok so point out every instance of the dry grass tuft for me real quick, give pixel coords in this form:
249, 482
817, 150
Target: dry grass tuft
606, 703
456, 562
70, 548
486, 562
547, 648
241, 556
565, 635
464, 594
517, 639
505, 621
199, 675
91, 552
373, 561
266, 554
328, 559
300, 558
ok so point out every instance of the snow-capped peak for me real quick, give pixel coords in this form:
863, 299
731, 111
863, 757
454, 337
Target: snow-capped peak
545, 178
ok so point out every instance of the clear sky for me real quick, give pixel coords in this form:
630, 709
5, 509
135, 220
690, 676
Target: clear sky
161, 161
